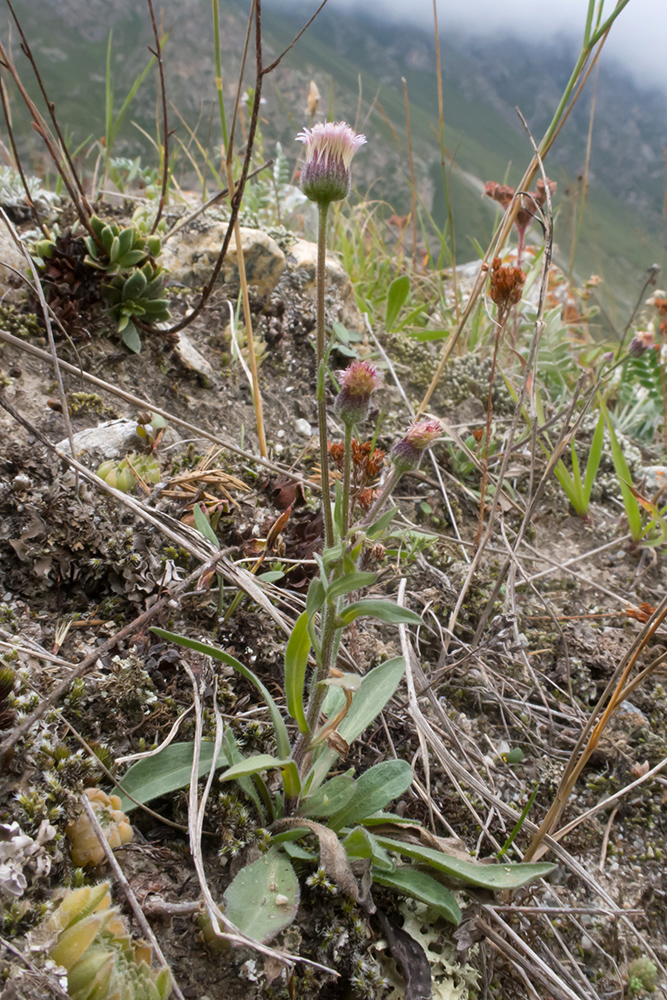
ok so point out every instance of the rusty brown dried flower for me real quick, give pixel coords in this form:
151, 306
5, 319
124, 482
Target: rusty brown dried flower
505, 286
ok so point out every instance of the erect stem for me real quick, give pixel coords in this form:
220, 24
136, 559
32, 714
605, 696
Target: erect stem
321, 374
347, 475
386, 490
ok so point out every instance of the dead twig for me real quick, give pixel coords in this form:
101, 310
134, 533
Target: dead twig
146, 928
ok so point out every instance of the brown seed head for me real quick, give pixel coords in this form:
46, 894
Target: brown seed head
506, 284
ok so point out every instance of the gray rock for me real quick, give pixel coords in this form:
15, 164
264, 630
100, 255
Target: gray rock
302, 256
303, 427
12, 289
655, 476
191, 255
190, 358
111, 439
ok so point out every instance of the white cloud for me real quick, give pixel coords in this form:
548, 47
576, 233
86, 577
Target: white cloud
637, 38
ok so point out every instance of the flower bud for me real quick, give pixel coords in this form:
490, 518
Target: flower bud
407, 453
357, 383
640, 343
325, 176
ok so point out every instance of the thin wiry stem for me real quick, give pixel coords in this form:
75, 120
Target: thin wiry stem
157, 52
17, 158
52, 110
445, 181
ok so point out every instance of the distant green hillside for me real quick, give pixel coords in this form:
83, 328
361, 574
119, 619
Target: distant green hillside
348, 56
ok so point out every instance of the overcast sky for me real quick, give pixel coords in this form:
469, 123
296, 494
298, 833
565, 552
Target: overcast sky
638, 37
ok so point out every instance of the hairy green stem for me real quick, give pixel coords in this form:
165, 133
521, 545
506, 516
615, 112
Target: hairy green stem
321, 374
386, 491
347, 475
317, 689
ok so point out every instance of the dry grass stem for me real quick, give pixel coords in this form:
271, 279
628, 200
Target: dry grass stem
139, 916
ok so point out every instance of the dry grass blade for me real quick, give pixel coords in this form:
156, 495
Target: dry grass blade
196, 812
146, 928
462, 775
610, 700
146, 404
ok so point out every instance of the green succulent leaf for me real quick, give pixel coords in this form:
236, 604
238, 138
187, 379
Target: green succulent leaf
131, 258
131, 337
134, 286
154, 244
126, 240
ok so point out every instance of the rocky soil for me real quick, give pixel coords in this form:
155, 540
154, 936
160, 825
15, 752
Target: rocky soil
78, 564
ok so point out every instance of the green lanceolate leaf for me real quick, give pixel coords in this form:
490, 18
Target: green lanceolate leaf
376, 788
203, 525
385, 611
419, 885
264, 897
282, 738
396, 296
253, 765
296, 662
329, 798
165, 772
349, 582
362, 844
315, 597
375, 690
495, 877
624, 478
379, 527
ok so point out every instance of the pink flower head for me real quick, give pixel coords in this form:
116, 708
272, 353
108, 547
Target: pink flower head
357, 383
407, 453
361, 378
325, 176
642, 341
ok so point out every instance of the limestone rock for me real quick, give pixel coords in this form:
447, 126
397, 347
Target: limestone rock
191, 255
302, 256
191, 359
12, 289
111, 439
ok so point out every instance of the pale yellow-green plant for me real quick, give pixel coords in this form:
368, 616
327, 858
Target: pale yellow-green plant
85, 847
94, 945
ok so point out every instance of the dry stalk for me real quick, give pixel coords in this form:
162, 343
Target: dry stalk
413, 184
49, 329
157, 52
502, 232
196, 813
579, 757
146, 928
146, 404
